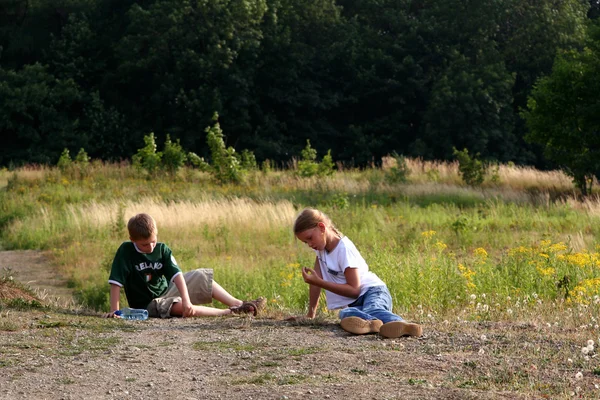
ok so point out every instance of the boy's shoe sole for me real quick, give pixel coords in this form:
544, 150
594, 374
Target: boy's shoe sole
360, 326
396, 329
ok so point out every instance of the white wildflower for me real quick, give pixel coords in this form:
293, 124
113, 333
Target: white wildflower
579, 376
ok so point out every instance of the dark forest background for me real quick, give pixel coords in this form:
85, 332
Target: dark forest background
363, 78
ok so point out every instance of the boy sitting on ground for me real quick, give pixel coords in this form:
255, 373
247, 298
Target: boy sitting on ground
152, 279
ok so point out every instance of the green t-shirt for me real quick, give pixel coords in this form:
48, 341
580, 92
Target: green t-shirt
144, 276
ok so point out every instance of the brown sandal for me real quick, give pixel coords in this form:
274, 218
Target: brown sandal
250, 306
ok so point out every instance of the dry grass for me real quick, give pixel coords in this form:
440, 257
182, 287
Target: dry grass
240, 213
512, 176
27, 173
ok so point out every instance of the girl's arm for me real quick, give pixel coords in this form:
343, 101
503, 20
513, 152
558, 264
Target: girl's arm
314, 292
349, 289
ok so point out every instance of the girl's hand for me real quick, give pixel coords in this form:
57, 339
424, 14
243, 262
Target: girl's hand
310, 276
110, 315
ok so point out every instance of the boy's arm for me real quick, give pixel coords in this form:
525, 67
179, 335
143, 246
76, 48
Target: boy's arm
115, 294
179, 282
314, 294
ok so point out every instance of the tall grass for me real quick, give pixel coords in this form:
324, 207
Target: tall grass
442, 248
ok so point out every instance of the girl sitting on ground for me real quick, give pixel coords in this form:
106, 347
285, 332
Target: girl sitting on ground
363, 298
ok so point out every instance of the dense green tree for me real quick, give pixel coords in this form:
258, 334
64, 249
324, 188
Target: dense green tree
38, 116
531, 32
362, 78
563, 113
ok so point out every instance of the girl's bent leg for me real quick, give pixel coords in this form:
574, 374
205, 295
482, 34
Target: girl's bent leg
378, 304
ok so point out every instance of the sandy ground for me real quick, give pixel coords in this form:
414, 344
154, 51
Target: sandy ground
61, 354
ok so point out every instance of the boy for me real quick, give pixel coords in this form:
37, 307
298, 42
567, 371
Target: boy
153, 280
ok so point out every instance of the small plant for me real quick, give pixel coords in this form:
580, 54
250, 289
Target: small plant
266, 166
308, 166
471, 169
147, 158
198, 162
461, 225
326, 166
495, 174
340, 201
173, 156
64, 162
398, 173
82, 158
249, 160
225, 166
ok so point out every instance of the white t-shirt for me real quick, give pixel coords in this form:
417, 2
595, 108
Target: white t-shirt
345, 255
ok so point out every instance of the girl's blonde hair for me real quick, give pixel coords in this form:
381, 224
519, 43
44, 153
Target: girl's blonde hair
309, 218
141, 226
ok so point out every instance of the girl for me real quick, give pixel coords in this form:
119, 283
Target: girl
364, 299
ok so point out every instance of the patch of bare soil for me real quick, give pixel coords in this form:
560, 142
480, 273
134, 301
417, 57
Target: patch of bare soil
33, 269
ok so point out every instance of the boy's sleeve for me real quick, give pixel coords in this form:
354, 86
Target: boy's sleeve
171, 268
120, 269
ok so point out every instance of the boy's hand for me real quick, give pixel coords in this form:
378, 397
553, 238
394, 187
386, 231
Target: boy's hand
110, 315
188, 309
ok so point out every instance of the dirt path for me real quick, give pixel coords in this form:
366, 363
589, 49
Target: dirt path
32, 268
60, 354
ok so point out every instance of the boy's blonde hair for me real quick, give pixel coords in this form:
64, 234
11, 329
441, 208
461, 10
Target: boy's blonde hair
141, 226
309, 218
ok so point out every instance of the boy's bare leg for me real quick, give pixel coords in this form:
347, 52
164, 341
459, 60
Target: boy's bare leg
223, 296
199, 311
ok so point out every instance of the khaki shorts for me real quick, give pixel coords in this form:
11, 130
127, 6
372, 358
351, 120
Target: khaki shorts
199, 286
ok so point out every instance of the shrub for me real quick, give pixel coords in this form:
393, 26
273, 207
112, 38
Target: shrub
198, 162
225, 166
64, 162
471, 169
326, 166
308, 166
173, 156
147, 158
249, 160
399, 172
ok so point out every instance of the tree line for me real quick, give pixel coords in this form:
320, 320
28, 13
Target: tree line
363, 79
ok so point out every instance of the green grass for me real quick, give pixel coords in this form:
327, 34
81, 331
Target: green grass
444, 250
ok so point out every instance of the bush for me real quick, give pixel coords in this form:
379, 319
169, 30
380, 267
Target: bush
308, 166
326, 166
398, 173
173, 156
225, 166
147, 158
471, 169
64, 162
